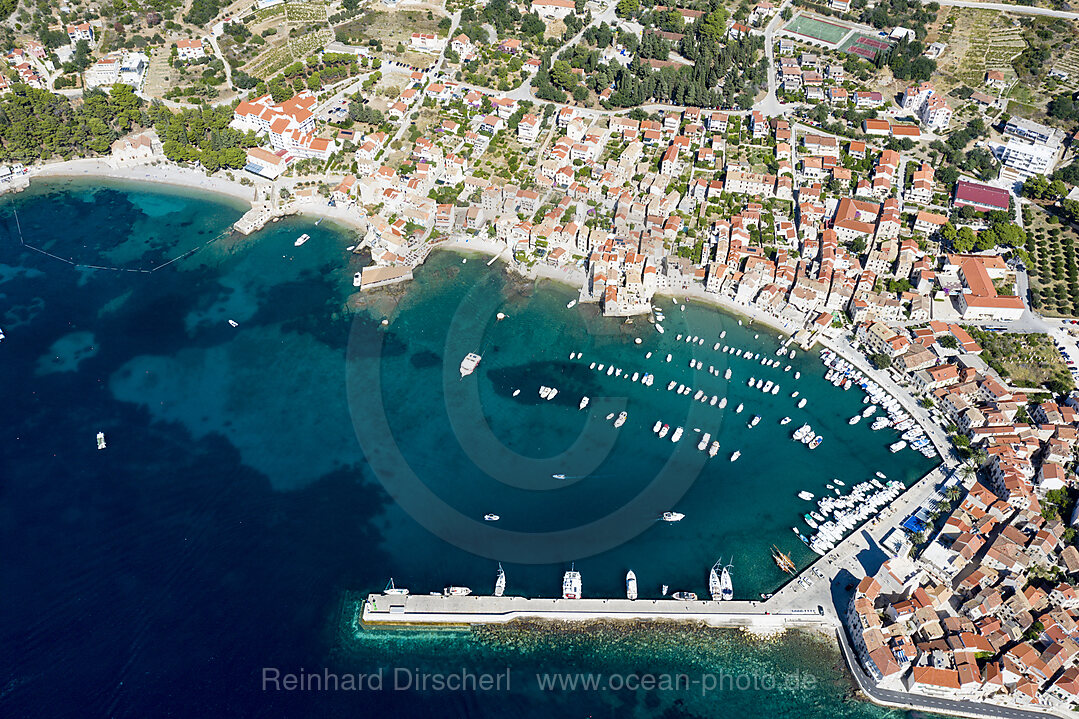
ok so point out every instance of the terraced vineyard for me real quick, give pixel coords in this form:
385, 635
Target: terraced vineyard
295, 12
1068, 62
992, 43
272, 60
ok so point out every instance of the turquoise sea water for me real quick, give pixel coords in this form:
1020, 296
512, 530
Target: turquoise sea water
259, 478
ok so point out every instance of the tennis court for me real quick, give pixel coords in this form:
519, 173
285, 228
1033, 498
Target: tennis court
826, 32
865, 46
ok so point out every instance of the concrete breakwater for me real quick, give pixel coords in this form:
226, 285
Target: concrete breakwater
420, 609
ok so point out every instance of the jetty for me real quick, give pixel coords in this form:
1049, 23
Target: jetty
435, 609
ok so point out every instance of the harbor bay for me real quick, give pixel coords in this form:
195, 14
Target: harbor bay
241, 484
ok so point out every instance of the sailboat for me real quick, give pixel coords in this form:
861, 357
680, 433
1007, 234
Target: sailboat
500, 581
726, 587
631, 585
391, 589
715, 587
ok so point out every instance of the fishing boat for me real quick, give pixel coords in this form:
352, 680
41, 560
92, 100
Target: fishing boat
397, 591
684, 596
782, 560
469, 364
736, 455
785, 420
301, 239
621, 419
491, 518
631, 585
583, 403
500, 581
672, 516
456, 592
101, 440
571, 584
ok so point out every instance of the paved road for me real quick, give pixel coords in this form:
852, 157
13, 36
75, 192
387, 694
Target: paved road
1019, 9
770, 105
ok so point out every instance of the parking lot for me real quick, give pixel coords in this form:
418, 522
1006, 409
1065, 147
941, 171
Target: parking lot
1065, 335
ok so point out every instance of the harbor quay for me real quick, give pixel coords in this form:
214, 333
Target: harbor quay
395, 610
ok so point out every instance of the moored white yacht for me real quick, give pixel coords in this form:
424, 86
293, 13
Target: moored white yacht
736, 455
469, 364
672, 516
631, 585
571, 584
584, 402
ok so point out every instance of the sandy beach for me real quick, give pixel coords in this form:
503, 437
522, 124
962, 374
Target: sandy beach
165, 173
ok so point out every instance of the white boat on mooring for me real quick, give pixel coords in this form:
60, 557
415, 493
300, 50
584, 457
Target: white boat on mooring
583, 403
736, 455
722, 402
621, 419
301, 239
672, 516
631, 585
656, 427
491, 518
469, 364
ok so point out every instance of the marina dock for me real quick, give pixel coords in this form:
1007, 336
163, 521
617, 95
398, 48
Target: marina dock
430, 609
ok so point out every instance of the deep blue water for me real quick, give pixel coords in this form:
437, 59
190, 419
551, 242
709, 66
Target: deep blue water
259, 479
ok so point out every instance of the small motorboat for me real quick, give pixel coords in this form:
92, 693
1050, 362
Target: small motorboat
672, 516
234, 323
491, 518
